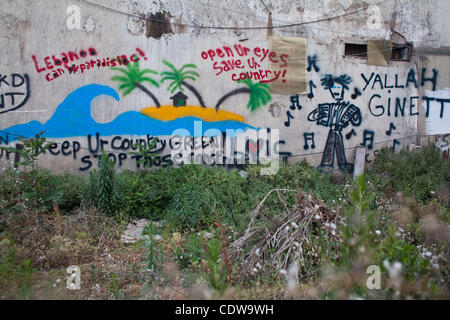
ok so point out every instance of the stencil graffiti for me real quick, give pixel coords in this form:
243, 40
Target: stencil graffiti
337, 116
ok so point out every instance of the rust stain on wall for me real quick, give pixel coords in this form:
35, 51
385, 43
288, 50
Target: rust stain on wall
158, 24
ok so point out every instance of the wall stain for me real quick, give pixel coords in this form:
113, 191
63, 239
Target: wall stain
158, 24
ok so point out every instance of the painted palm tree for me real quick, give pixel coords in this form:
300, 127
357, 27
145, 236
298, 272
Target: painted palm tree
178, 79
133, 78
259, 94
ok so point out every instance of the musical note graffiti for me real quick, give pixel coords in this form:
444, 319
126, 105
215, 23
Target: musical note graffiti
368, 137
349, 135
391, 128
312, 63
309, 136
295, 105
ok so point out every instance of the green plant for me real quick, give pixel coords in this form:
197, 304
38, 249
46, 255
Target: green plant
31, 149
191, 254
418, 173
217, 277
359, 238
102, 191
114, 286
153, 252
362, 198
194, 249
144, 152
25, 271
8, 260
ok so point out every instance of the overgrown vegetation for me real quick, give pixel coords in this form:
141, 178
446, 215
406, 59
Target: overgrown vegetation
214, 232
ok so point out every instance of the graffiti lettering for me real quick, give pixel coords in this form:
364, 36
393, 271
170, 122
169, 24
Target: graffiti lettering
226, 59
65, 58
388, 83
14, 91
401, 106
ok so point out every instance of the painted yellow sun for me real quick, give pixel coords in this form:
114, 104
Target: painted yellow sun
169, 113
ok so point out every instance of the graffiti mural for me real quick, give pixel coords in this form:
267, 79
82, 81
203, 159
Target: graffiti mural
72, 118
336, 115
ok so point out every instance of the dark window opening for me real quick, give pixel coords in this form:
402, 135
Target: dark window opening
357, 50
400, 52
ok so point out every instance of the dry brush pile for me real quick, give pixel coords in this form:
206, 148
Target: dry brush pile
273, 244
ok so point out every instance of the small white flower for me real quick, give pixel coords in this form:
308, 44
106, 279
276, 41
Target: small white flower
282, 271
257, 251
394, 268
378, 232
432, 192
294, 224
208, 235
157, 237
254, 270
333, 226
258, 265
317, 217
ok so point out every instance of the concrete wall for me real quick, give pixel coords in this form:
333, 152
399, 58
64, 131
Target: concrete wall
85, 111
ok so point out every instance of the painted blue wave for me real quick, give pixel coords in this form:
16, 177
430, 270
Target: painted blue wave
73, 118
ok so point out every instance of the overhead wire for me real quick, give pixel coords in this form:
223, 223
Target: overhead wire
228, 27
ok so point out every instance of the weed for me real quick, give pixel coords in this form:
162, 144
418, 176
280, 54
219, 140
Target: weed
102, 192
153, 252
217, 277
25, 272
31, 149
418, 173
